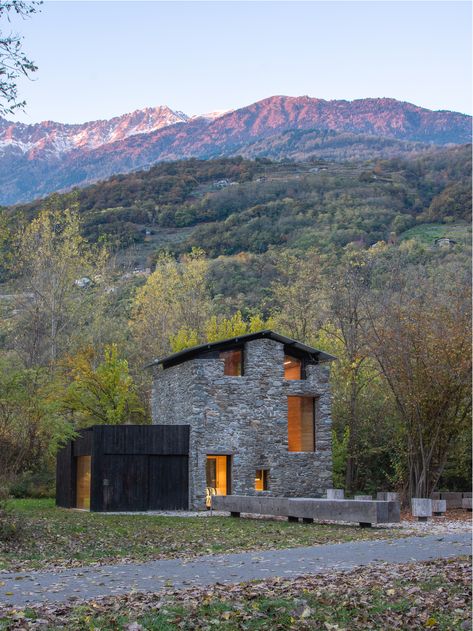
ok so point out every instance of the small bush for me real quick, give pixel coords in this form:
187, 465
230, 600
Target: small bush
37, 485
10, 528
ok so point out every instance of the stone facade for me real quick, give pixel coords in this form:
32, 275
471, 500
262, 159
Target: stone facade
246, 417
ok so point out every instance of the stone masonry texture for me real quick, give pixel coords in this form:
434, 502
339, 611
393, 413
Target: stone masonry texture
246, 417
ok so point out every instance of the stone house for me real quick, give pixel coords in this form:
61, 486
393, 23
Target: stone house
258, 407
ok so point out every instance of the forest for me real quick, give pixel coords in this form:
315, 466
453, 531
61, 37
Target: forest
98, 282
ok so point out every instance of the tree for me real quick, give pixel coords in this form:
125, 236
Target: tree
346, 286
419, 330
29, 429
55, 290
175, 298
13, 61
97, 394
220, 328
298, 296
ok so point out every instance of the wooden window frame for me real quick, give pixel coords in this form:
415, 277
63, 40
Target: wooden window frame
242, 352
314, 400
264, 479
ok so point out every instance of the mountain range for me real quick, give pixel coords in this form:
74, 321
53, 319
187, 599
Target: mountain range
38, 159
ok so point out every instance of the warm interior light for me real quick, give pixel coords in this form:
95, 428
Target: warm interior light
292, 367
301, 423
216, 474
261, 480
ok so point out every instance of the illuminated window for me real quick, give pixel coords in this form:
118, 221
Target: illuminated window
83, 469
233, 362
292, 367
217, 474
301, 423
261, 480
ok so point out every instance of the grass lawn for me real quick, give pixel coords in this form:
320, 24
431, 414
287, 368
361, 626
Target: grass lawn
430, 595
52, 536
427, 233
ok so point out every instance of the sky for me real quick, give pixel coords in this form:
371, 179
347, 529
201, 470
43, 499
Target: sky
101, 59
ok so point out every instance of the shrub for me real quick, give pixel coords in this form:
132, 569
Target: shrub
38, 484
10, 528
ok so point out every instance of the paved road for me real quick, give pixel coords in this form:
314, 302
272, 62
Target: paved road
24, 588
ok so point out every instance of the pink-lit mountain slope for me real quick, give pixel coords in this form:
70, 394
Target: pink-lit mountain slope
38, 159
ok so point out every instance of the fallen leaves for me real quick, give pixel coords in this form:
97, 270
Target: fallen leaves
418, 596
57, 538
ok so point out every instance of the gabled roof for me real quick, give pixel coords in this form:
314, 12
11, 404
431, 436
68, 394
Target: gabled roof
190, 353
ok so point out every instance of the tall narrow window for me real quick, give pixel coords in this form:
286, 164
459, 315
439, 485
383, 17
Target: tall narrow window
83, 474
261, 480
301, 423
292, 367
233, 362
217, 474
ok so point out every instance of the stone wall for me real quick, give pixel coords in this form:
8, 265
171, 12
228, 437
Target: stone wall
246, 417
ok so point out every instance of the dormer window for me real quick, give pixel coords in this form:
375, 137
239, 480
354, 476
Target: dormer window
232, 362
292, 367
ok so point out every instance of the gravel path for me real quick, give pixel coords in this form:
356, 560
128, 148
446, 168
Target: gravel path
25, 588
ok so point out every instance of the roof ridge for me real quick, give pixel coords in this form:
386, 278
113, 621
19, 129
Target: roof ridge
190, 352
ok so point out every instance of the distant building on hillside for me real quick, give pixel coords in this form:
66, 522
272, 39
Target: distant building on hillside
444, 242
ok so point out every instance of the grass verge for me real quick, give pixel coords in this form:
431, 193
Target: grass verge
51, 536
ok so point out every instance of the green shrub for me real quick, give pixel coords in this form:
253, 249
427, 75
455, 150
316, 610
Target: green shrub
38, 484
10, 528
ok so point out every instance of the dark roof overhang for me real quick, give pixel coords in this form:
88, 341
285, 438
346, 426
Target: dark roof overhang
313, 354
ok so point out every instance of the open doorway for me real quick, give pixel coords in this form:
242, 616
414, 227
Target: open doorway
218, 474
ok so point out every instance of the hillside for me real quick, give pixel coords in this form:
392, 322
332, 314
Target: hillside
36, 160
233, 205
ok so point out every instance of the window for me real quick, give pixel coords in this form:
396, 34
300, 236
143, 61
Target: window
292, 367
217, 474
301, 423
233, 362
261, 480
83, 474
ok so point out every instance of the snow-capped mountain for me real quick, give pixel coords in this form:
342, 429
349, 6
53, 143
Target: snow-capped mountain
38, 159
55, 139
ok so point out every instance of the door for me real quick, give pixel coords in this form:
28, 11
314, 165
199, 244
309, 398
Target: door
126, 478
168, 483
83, 476
218, 475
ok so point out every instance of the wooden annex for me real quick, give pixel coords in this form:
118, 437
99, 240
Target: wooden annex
125, 468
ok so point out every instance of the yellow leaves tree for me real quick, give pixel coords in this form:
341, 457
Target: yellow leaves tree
98, 391
298, 295
220, 328
173, 306
57, 270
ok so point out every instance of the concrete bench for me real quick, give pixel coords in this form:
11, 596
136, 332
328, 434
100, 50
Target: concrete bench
453, 498
364, 512
387, 496
467, 503
439, 507
421, 508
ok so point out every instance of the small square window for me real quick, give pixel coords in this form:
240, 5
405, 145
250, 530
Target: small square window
232, 362
261, 480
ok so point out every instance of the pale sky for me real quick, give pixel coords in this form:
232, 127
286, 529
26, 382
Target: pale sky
102, 59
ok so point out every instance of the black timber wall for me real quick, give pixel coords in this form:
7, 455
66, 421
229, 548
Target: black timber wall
134, 467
